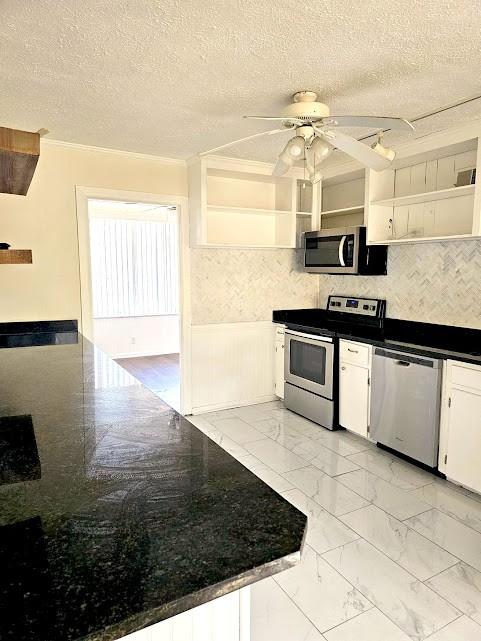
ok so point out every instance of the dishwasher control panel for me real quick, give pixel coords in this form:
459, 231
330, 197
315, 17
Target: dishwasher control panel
372, 307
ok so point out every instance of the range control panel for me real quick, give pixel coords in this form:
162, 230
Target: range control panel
373, 307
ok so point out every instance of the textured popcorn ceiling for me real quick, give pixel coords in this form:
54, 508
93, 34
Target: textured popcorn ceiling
174, 77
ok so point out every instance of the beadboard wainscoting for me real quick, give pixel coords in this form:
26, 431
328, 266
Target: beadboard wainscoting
429, 282
232, 365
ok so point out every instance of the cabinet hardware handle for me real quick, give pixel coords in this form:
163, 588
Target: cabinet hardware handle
354, 351
343, 368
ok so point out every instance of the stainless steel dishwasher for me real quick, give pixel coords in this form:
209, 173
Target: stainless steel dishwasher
405, 404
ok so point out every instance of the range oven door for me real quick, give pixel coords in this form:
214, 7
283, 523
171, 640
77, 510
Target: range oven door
309, 362
332, 251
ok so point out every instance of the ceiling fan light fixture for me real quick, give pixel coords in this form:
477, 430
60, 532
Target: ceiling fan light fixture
295, 148
292, 152
320, 149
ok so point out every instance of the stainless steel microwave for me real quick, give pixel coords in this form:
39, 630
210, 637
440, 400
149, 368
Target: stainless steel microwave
343, 251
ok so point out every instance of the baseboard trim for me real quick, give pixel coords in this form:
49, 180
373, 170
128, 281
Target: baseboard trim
140, 354
227, 406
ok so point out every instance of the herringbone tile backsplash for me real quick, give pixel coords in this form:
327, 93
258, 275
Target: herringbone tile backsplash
236, 285
432, 282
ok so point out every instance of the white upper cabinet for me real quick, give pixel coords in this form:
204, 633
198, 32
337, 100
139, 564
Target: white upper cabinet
235, 203
428, 194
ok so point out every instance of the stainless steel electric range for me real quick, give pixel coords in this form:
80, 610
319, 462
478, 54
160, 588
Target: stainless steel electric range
311, 353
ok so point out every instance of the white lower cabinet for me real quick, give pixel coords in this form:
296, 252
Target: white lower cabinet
279, 362
460, 439
354, 386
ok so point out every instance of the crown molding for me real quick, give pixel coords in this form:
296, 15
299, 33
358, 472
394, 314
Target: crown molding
119, 152
230, 160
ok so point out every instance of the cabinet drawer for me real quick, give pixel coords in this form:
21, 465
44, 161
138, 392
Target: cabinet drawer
466, 377
355, 353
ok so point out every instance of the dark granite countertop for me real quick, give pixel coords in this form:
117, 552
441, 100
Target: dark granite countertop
115, 511
425, 339
26, 334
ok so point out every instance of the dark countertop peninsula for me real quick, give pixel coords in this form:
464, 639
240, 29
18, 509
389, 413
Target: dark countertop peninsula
115, 511
425, 339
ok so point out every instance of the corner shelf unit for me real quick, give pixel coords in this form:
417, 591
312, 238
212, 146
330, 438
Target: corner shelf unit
417, 200
237, 203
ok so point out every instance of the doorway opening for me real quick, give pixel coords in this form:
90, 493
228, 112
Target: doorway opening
135, 290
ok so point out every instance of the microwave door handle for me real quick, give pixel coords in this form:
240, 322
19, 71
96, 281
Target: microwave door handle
341, 251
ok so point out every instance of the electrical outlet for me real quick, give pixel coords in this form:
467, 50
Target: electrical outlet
132, 340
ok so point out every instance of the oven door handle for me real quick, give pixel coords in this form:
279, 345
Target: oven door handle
341, 251
315, 337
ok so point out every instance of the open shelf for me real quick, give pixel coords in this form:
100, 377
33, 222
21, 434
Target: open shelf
344, 210
416, 199
423, 239
15, 256
343, 200
428, 196
304, 213
240, 204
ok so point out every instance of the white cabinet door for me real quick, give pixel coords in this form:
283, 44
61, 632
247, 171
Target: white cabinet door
354, 398
464, 438
279, 373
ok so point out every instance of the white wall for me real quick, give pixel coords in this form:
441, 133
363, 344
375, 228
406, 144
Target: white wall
45, 221
137, 335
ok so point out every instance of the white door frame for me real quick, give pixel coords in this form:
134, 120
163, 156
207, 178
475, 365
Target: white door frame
83, 194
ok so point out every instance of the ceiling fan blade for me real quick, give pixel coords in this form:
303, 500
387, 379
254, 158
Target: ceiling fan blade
355, 149
296, 121
251, 137
372, 122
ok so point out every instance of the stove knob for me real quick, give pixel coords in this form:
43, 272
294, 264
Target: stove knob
365, 306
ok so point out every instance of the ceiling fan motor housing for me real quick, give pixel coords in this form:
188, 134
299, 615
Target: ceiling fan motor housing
305, 107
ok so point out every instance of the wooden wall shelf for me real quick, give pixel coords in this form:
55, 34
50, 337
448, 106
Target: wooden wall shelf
19, 152
15, 256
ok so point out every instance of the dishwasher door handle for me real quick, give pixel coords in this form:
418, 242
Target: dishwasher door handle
403, 363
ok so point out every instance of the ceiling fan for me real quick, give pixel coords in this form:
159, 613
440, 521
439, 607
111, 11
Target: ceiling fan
317, 134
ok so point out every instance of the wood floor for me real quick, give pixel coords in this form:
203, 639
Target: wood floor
161, 374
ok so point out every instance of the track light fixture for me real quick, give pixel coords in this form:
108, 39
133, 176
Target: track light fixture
385, 152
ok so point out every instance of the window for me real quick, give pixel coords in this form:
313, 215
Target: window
135, 264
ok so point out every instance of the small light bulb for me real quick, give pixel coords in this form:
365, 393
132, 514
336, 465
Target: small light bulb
295, 147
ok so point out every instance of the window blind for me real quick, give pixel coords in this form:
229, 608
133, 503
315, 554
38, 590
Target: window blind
134, 267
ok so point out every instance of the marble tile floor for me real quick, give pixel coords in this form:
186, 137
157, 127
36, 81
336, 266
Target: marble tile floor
392, 553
